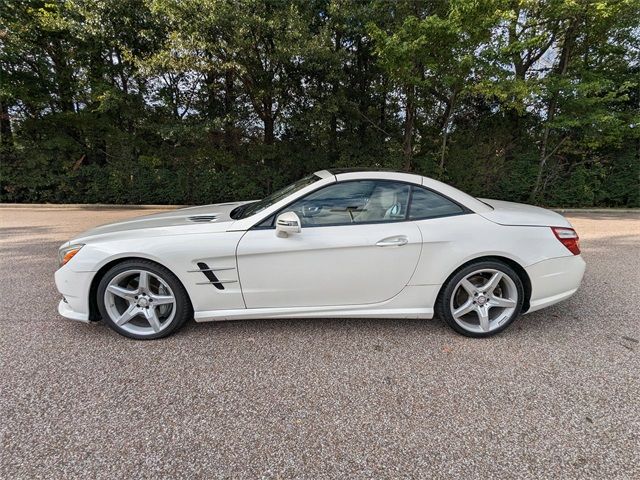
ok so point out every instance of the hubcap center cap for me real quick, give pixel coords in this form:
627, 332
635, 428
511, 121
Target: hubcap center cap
143, 302
481, 300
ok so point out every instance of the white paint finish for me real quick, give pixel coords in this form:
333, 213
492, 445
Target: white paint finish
180, 254
331, 271
510, 213
554, 280
552, 300
325, 174
402, 305
66, 311
172, 222
75, 288
450, 242
330, 265
397, 176
344, 311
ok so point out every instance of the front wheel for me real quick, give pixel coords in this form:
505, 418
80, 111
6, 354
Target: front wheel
142, 300
481, 299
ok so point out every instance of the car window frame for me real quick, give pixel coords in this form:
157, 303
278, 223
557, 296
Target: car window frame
249, 204
464, 210
273, 216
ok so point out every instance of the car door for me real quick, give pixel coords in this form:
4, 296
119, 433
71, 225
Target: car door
355, 247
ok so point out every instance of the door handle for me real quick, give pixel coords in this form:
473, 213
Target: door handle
393, 241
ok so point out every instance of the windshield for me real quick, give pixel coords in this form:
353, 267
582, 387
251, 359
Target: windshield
249, 209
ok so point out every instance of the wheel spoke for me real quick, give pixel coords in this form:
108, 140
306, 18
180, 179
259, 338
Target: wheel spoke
493, 282
162, 299
128, 314
143, 282
468, 286
464, 309
148, 304
122, 292
483, 316
152, 317
502, 302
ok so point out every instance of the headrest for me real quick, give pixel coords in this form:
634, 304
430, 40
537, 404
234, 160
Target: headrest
383, 196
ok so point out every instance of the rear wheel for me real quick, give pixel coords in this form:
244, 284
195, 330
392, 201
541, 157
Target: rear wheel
143, 300
481, 299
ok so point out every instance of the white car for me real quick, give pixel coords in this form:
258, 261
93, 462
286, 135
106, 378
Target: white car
339, 243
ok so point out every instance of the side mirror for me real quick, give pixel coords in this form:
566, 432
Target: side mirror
287, 223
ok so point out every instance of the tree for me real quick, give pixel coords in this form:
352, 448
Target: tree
192, 101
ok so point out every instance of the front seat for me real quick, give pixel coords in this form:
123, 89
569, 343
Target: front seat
382, 203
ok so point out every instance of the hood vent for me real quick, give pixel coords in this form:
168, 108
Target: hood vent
202, 218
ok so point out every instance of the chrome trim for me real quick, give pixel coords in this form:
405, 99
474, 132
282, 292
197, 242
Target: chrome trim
211, 269
287, 223
216, 283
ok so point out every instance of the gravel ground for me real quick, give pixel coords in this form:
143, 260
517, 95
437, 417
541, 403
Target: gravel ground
556, 395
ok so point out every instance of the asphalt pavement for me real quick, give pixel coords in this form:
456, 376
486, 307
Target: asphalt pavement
556, 395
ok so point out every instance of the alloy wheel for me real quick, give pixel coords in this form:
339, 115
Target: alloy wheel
140, 302
484, 300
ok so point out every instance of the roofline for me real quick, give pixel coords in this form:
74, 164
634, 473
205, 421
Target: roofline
324, 174
453, 193
338, 171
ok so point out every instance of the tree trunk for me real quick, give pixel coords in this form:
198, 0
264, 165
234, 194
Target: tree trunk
64, 77
269, 136
333, 138
333, 119
6, 135
229, 101
445, 127
383, 109
565, 57
97, 154
409, 126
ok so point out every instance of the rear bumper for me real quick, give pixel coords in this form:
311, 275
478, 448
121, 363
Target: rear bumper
554, 280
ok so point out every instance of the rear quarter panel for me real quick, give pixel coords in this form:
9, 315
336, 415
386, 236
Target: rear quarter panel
450, 242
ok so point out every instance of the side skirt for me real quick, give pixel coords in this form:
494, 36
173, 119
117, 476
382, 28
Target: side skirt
415, 301
316, 312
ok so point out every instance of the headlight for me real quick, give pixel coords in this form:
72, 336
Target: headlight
67, 253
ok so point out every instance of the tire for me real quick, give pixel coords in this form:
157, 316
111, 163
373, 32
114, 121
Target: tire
481, 299
143, 300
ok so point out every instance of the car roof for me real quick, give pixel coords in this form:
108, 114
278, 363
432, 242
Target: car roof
338, 171
373, 173
341, 174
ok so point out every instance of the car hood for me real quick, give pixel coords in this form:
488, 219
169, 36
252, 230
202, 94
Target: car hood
510, 213
212, 217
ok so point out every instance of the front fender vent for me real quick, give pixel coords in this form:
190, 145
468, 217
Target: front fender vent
202, 218
204, 268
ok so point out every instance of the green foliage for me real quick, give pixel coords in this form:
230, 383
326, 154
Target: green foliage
201, 101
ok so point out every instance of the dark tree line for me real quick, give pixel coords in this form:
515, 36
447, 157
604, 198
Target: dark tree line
198, 101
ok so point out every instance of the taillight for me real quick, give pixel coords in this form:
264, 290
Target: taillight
569, 238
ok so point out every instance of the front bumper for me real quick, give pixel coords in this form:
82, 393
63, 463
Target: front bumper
554, 280
74, 287
66, 311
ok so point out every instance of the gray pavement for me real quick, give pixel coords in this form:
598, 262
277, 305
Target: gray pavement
556, 395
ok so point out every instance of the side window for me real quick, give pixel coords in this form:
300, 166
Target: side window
346, 203
427, 204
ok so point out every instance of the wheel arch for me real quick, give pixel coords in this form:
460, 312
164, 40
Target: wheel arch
94, 314
519, 269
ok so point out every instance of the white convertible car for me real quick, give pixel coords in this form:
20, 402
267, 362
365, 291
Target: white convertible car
337, 243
